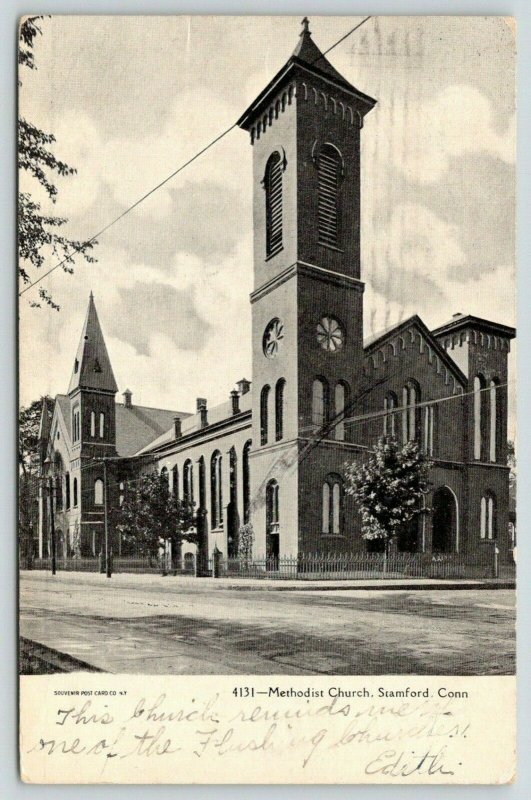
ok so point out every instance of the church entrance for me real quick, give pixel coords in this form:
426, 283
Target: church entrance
444, 521
272, 526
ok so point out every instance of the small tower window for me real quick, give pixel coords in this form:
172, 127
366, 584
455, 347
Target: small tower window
319, 402
92, 423
98, 492
76, 427
329, 171
340, 402
480, 417
102, 425
75, 492
273, 190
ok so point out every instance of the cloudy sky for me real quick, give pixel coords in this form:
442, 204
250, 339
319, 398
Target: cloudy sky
130, 98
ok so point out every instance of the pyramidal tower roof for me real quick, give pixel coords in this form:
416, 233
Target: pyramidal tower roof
308, 52
92, 366
310, 59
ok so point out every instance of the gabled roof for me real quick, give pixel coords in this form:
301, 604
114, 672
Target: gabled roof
460, 321
219, 415
92, 366
138, 426
376, 341
309, 58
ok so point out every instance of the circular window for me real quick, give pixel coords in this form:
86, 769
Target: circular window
272, 339
330, 334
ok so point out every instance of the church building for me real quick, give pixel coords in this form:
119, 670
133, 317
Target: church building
274, 453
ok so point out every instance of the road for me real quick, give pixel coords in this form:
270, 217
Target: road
165, 625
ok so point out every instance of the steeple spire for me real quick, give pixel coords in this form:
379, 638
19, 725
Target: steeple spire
92, 366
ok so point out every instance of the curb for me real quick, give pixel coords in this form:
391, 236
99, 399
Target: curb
371, 588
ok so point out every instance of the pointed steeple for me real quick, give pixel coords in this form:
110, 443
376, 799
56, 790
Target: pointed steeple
306, 59
308, 52
92, 366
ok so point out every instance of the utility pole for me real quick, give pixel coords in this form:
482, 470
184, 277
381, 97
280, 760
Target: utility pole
105, 520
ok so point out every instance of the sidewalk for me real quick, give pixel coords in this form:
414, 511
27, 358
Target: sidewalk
180, 583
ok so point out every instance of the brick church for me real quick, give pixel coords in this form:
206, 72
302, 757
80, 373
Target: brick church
274, 453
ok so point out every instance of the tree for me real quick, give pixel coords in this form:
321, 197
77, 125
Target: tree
388, 488
28, 461
38, 232
245, 543
151, 515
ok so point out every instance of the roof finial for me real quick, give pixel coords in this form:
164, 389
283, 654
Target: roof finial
91, 295
305, 26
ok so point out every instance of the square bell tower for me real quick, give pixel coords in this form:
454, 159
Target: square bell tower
307, 300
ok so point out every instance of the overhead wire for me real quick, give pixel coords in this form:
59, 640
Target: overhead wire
79, 250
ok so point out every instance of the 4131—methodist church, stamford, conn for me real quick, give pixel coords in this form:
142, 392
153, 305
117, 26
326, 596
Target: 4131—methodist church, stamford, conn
274, 453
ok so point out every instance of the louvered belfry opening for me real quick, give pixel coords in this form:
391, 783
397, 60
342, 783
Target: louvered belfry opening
329, 173
273, 187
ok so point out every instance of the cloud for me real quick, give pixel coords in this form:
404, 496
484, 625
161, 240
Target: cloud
457, 122
177, 319
407, 256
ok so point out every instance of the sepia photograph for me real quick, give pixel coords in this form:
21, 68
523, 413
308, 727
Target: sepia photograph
267, 336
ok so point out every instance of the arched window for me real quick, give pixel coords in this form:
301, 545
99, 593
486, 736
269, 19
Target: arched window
188, 481
332, 493
319, 402
273, 190
272, 517
493, 419
340, 404
264, 414
389, 420
410, 412
279, 409
67, 490
479, 422
102, 425
246, 476
164, 474
202, 487
92, 423
216, 496
488, 517
428, 430
98, 492
75, 492
233, 477
329, 169
175, 481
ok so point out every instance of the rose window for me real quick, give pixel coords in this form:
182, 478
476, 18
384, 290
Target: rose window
273, 336
330, 334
